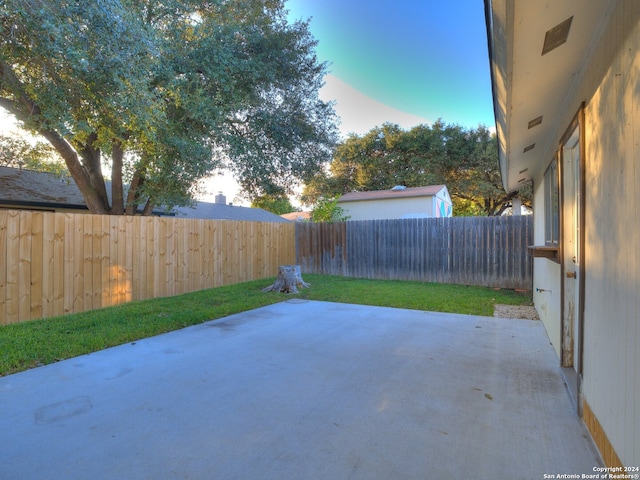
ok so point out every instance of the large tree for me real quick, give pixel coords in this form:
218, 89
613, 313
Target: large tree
17, 152
465, 160
159, 93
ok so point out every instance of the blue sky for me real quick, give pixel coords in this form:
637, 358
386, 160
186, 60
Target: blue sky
404, 61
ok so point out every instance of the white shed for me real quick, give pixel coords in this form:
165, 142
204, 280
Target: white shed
400, 202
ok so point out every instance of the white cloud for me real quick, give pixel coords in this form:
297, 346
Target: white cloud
360, 113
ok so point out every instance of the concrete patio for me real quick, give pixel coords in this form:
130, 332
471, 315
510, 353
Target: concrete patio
302, 390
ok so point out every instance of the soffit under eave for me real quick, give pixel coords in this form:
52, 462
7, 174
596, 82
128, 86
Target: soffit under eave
529, 83
499, 20
516, 165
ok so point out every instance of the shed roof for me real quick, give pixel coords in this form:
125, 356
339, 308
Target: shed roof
428, 191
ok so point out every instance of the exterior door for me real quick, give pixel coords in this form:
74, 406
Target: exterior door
570, 238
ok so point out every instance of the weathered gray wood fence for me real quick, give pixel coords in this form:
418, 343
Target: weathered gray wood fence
486, 251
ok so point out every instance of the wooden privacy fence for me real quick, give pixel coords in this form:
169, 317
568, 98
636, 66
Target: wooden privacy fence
58, 263
486, 251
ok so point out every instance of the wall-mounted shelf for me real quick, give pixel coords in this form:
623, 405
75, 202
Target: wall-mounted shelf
539, 251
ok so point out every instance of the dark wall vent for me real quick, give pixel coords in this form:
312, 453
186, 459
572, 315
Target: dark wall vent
535, 122
557, 36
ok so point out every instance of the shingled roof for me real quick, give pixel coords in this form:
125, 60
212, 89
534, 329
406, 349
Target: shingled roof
38, 189
428, 191
218, 211
27, 188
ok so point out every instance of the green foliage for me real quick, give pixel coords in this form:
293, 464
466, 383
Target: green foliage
278, 204
436, 297
466, 208
31, 344
466, 161
163, 93
16, 152
328, 210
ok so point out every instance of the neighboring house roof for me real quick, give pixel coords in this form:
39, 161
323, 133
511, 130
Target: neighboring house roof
24, 188
220, 211
428, 191
27, 188
297, 216
38, 189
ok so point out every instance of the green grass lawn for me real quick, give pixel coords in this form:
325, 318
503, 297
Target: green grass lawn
31, 344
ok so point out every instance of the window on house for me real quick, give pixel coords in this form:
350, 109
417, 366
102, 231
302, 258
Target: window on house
551, 205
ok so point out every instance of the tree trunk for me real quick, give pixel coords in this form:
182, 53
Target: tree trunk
93, 200
132, 197
117, 189
288, 281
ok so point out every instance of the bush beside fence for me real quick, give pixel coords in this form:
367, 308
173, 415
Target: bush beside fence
485, 251
59, 263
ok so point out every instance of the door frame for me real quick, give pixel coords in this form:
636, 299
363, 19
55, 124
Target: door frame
578, 123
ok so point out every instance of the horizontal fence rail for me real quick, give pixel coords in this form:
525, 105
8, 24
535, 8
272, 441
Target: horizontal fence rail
59, 263
485, 251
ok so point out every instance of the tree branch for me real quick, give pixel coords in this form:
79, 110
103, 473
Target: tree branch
24, 108
91, 163
148, 207
133, 194
117, 191
78, 173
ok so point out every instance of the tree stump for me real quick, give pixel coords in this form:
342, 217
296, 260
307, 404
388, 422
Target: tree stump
288, 281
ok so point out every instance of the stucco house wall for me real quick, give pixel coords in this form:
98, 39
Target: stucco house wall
611, 368
607, 86
612, 233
